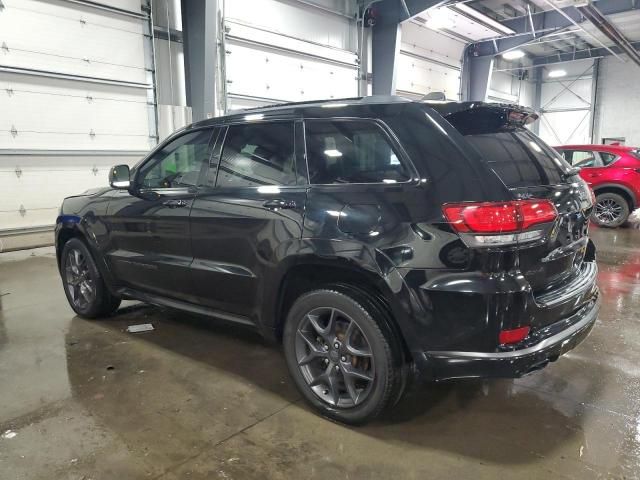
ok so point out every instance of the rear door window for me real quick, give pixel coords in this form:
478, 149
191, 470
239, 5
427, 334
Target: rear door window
519, 158
258, 154
351, 151
607, 158
583, 158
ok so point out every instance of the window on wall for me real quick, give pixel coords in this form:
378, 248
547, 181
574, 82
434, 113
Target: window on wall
342, 151
258, 154
177, 164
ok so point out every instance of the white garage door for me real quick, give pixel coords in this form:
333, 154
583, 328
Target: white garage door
429, 62
280, 51
76, 96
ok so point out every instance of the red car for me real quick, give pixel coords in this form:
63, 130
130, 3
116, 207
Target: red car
613, 172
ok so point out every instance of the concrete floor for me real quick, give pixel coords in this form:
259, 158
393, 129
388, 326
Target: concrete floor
195, 399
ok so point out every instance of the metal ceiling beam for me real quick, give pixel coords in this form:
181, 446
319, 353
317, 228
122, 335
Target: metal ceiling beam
610, 31
529, 29
544, 23
579, 55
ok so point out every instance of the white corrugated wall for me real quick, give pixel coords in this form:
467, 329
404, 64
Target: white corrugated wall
618, 101
566, 104
75, 99
286, 51
429, 62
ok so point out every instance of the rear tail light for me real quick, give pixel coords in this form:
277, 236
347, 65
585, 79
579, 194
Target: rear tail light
509, 337
500, 223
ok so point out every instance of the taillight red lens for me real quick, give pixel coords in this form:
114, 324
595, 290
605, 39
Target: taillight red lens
499, 217
537, 211
508, 337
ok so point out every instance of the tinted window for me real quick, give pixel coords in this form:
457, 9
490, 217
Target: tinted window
351, 152
582, 158
178, 163
607, 158
519, 158
258, 154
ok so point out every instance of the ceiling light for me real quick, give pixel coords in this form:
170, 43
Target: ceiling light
513, 54
482, 18
440, 18
557, 73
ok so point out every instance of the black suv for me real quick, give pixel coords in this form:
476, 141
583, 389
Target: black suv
375, 238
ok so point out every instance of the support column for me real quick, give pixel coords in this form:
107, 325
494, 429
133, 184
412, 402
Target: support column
594, 127
476, 75
385, 50
537, 101
200, 37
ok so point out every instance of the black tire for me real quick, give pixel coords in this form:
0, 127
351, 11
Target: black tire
384, 365
83, 285
611, 210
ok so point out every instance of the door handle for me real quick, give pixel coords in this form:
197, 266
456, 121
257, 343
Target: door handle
175, 203
278, 203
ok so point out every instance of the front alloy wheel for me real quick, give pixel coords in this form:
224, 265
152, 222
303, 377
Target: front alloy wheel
84, 287
80, 286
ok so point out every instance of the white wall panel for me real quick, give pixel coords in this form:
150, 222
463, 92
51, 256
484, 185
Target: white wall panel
507, 88
563, 128
55, 114
48, 125
428, 62
280, 51
68, 38
566, 94
572, 94
296, 20
283, 76
130, 5
618, 101
429, 43
43, 183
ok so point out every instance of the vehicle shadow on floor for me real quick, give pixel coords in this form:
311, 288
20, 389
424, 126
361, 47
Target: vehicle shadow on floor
498, 421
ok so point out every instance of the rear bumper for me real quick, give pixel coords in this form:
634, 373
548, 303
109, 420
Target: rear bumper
562, 336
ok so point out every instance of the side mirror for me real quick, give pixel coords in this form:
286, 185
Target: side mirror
119, 177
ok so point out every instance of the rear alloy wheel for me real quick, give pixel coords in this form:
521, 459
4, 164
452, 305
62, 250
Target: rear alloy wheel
339, 357
611, 210
83, 285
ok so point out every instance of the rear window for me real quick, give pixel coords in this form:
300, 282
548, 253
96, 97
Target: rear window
351, 151
519, 158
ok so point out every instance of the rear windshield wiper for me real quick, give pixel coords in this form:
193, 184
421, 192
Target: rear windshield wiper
570, 173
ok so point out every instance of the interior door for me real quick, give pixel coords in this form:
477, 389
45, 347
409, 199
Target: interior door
150, 245
246, 214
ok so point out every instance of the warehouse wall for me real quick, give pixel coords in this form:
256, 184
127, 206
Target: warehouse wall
77, 97
429, 62
506, 87
277, 51
566, 105
617, 101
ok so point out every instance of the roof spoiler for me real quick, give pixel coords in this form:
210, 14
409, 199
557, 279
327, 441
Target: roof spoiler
478, 117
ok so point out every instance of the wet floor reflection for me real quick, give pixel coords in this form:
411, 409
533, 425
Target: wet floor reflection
195, 398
